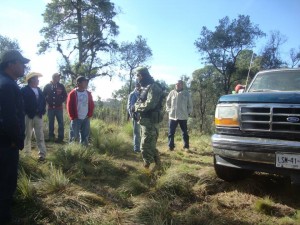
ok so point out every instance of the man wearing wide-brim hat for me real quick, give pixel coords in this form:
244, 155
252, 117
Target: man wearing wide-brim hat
12, 67
35, 108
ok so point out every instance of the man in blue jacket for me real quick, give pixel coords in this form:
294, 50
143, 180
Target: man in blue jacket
35, 108
132, 98
12, 66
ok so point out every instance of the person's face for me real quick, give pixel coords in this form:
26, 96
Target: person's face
139, 77
34, 82
179, 86
56, 79
17, 69
83, 85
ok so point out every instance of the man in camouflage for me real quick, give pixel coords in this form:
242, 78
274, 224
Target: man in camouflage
149, 107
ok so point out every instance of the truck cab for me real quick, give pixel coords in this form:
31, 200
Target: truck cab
259, 130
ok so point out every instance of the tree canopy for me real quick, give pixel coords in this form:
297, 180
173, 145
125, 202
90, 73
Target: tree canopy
79, 30
222, 46
6, 44
133, 55
271, 55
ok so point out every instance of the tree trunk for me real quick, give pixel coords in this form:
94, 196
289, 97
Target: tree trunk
79, 33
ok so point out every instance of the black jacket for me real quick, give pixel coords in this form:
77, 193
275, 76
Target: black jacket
33, 107
12, 125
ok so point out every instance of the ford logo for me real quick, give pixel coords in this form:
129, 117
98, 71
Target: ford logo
293, 119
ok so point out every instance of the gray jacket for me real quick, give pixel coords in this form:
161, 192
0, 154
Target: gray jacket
179, 105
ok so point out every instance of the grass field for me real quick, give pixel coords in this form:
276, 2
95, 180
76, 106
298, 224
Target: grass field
106, 184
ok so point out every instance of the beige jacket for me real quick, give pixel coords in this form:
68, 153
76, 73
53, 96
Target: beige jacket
179, 105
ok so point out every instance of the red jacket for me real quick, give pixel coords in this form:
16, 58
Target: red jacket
72, 104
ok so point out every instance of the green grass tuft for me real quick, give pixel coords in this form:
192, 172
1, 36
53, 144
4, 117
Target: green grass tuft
154, 212
25, 188
54, 181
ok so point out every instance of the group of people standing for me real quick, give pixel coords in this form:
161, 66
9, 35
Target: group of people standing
21, 115
80, 106
144, 107
22, 110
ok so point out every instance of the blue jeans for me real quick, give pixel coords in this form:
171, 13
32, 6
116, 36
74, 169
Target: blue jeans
80, 130
58, 113
9, 159
172, 129
136, 136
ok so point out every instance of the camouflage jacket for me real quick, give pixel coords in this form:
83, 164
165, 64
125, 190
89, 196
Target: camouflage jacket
150, 100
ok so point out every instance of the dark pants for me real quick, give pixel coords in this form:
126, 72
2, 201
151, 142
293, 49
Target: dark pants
58, 113
9, 159
172, 129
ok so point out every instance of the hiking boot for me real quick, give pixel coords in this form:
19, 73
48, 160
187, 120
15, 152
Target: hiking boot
146, 165
59, 141
171, 149
157, 160
41, 159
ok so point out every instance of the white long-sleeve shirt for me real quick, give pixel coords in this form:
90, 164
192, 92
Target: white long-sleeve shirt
179, 105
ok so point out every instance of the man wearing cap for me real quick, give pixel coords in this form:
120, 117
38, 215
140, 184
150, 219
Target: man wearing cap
132, 98
149, 107
12, 67
35, 108
179, 105
80, 107
55, 94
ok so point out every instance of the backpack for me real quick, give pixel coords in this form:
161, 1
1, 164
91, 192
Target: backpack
160, 106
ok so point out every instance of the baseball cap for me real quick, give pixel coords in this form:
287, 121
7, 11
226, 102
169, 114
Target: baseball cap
12, 55
33, 74
81, 78
56, 75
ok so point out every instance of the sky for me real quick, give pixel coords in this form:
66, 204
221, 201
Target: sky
170, 27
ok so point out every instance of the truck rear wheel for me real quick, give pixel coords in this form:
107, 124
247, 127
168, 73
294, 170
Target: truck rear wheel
231, 174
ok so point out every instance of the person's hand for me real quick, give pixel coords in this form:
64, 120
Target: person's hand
132, 108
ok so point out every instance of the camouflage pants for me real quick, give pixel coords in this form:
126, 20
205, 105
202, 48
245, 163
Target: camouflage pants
149, 135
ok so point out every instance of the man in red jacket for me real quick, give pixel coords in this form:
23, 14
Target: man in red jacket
80, 107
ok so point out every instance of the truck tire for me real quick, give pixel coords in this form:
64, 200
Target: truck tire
231, 174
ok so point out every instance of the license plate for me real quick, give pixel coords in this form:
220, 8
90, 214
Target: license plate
286, 160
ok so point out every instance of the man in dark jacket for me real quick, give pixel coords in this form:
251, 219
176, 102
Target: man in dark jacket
55, 94
12, 66
35, 108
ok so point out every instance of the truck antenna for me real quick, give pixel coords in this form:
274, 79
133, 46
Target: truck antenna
249, 71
